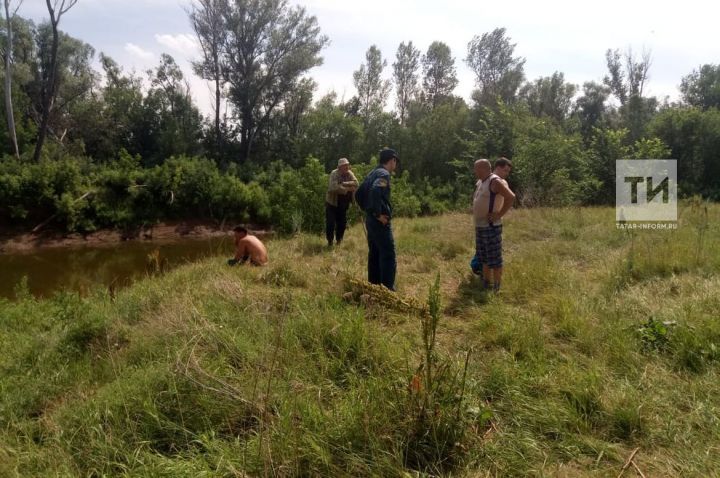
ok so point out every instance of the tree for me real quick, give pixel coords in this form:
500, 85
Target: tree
268, 46
73, 81
436, 140
701, 88
207, 21
693, 136
49, 81
552, 168
328, 133
372, 89
23, 84
112, 121
440, 78
280, 138
497, 72
606, 146
173, 123
549, 96
627, 82
297, 104
8, 57
407, 62
591, 108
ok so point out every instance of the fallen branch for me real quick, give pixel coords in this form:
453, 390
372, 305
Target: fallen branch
638, 469
47, 221
628, 462
379, 294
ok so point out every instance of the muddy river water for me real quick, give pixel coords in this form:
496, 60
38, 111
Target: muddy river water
84, 268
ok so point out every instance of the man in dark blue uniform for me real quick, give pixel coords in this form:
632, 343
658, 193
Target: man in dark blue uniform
378, 213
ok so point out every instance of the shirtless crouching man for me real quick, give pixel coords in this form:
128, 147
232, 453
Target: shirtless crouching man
248, 247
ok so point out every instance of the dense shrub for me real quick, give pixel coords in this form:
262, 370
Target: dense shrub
79, 195
298, 197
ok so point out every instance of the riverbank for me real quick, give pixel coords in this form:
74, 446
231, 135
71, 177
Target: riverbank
17, 241
602, 345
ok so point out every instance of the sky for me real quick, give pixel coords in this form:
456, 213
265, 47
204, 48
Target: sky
554, 35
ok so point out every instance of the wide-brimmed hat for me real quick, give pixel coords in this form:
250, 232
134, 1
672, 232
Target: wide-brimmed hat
343, 162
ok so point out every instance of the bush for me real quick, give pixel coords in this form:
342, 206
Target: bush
80, 196
551, 169
298, 198
33, 192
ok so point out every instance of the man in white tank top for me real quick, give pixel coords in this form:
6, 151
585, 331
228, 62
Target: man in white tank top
491, 201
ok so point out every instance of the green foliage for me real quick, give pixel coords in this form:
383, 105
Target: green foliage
372, 89
693, 137
435, 140
437, 393
298, 198
439, 74
565, 150
286, 42
405, 202
653, 335
498, 74
81, 196
405, 75
553, 169
32, 192
329, 134
650, 148
695, 350
701, 88
549, 97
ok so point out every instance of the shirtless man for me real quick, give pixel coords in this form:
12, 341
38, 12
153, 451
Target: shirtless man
491, 201
248, 247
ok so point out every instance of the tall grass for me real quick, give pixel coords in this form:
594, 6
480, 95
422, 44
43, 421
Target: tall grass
599, 343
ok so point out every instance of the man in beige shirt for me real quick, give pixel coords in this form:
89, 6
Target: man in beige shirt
491, 201
248, 248
341, 187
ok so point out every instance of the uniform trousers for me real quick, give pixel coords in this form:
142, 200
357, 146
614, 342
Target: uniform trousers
382, 263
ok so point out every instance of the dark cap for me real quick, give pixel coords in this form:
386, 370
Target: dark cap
387, 154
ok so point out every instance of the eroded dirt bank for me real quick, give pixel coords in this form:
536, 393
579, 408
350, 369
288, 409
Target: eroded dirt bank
23, 241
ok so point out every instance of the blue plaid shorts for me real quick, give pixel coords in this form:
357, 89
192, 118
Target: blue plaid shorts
488, 246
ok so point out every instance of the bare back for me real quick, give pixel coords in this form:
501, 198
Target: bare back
253, 248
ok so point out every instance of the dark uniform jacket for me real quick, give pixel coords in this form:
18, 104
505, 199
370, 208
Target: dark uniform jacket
378, 201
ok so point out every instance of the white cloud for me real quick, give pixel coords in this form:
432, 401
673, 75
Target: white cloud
182, 42
138, 52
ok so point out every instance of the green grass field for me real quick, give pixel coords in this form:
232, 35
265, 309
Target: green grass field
601, 342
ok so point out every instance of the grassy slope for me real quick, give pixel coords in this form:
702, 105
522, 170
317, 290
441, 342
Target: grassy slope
212, 371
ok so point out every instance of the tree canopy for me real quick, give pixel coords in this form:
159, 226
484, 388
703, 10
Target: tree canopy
136, 141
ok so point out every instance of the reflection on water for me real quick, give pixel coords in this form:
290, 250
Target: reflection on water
82, 269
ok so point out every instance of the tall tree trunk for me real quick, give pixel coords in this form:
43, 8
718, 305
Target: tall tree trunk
8, 82
47, 95
244, 145
47, 91
218, 133
246, 134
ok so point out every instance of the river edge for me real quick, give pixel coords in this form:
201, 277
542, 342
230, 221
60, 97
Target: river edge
14, 242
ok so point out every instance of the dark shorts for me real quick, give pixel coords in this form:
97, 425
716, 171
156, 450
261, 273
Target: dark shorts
249, 260
488, 246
